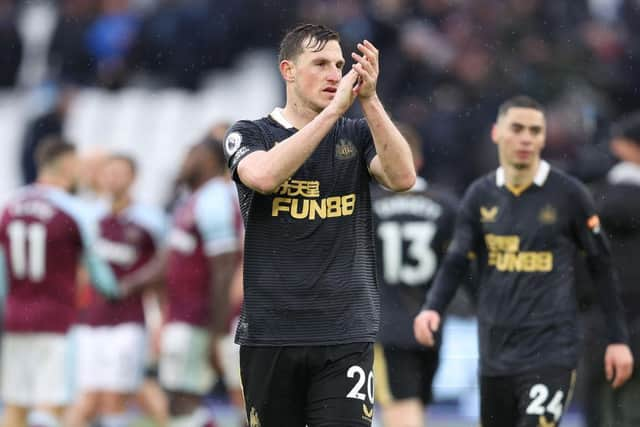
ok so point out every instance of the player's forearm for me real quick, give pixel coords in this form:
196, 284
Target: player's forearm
453, 271
265, 171
606, 283
148, 275
393, 150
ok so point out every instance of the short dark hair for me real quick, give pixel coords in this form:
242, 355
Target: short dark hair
627, 127
316, 37
52, 149
129, 160
520, 101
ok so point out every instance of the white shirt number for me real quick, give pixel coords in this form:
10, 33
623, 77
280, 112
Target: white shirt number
419, 235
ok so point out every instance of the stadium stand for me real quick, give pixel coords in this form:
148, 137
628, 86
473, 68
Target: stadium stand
183, 65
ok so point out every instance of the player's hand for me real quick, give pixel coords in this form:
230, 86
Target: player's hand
618, 364
346, 92
425, 325
368, 68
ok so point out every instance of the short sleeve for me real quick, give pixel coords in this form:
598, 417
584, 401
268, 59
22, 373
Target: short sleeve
215, 219
242, 139
366, 139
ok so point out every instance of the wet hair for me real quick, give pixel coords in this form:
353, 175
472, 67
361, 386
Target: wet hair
51, 150
305, 36
520, 101
130, 161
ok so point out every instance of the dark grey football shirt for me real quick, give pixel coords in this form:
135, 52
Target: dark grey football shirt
526, 244
309, 262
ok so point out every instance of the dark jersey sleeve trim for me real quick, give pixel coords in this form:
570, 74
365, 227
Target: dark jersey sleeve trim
243, 138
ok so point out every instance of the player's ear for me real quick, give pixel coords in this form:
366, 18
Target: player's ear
494, 133
288, 71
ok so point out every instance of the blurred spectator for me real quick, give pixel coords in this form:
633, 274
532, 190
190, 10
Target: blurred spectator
198, 280
218, 131
111, 335
352, 23
48, 124
109, 39
183, 180
629, 97
619, 206
473, 52
69, 55
266, 26
179, 41
11, 46
169, 42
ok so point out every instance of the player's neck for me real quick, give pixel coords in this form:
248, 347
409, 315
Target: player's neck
52, 181
121, 203
520, 178
298, 114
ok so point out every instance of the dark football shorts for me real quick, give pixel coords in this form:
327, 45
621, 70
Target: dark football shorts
535, 399
404, 373
314, 386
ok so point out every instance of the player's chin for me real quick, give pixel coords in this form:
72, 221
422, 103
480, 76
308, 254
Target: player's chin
326, 97
320, 105
520, 165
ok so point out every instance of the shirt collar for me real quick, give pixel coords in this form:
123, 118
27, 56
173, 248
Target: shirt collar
541, 175
277, 115
624, 173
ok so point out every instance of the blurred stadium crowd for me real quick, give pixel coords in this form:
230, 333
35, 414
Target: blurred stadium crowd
446, 65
